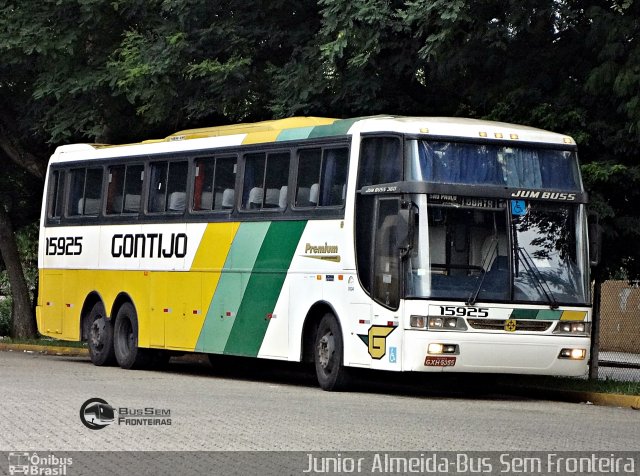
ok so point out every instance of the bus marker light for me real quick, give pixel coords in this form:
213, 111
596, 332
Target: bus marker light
513, 136
418, 321
167, 310
392, 324
498, 135
483, 134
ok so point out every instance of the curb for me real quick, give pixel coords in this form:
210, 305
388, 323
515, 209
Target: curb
603, 399
45, 349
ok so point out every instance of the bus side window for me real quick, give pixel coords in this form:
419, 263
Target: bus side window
333, 180
265, 180
214, 183
203, 184
309, 161
380, 161
86, 192
322, 177
115, 191
56, 194
168, 186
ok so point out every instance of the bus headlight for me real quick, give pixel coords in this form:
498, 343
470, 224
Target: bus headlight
573, 328
446, 323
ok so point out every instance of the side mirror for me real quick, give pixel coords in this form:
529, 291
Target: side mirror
404, 229
595, 240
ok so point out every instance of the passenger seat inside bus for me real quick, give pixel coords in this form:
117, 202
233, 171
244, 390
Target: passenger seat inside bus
255, 198
131, 203
272, 198
177, 201
227, 198
88, 206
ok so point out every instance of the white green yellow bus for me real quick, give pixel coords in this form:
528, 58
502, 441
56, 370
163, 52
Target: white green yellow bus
391, 243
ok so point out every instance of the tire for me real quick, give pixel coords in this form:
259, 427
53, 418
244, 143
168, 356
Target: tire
98, 330
328, 355
125, 340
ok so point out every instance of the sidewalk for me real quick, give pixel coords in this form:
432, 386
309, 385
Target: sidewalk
605, 399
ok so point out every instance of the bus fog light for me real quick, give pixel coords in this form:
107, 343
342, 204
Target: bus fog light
439, 349
418, 321
573, 354
435, 349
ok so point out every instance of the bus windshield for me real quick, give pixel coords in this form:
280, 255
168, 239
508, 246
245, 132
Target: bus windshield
478, 249
492, 165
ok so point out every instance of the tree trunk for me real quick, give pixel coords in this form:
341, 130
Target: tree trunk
24, 323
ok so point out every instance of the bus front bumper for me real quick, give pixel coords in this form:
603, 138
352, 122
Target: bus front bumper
495, 353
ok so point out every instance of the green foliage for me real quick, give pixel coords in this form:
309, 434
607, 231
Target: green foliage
125, 70
5, 313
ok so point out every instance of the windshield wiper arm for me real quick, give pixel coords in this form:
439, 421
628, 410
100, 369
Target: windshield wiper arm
524, 256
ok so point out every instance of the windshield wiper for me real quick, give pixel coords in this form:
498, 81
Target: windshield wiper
525, 258
493, 252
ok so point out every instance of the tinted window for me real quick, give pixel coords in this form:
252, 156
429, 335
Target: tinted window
85, 192
265, 181
167, 192
214, 183
56, 194
380, 161
322, 177
125, 187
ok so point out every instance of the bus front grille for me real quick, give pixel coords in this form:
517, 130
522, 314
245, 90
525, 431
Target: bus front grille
500, 325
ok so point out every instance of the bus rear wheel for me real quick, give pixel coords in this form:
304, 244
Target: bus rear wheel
99, 335
125, 340
328, 354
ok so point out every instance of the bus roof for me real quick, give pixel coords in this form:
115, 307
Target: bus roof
296, 128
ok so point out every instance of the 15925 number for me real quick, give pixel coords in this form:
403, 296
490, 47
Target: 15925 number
461, 311
63, 245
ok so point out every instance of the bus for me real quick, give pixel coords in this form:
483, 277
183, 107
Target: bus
393, 243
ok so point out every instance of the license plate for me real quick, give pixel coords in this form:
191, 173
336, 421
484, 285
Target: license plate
439, 361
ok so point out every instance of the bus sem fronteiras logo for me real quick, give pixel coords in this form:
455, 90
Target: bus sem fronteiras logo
96, 414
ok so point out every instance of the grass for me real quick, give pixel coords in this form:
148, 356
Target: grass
576, 384
43, 341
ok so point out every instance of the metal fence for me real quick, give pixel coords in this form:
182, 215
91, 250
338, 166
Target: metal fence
619, 355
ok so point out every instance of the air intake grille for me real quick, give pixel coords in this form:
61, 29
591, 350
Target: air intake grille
499, 325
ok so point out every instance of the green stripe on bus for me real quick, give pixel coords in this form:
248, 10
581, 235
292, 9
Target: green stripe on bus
294, 134
549, 315
264, 287
524, 314
338, 128
231, 287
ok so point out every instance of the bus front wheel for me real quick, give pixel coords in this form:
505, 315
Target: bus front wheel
99, 335
328, 354
125, 340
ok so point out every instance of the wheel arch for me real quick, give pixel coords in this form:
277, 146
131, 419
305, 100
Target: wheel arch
121, 298
310, 326
91, 300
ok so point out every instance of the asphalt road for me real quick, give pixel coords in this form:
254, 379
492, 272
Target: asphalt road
250, 407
